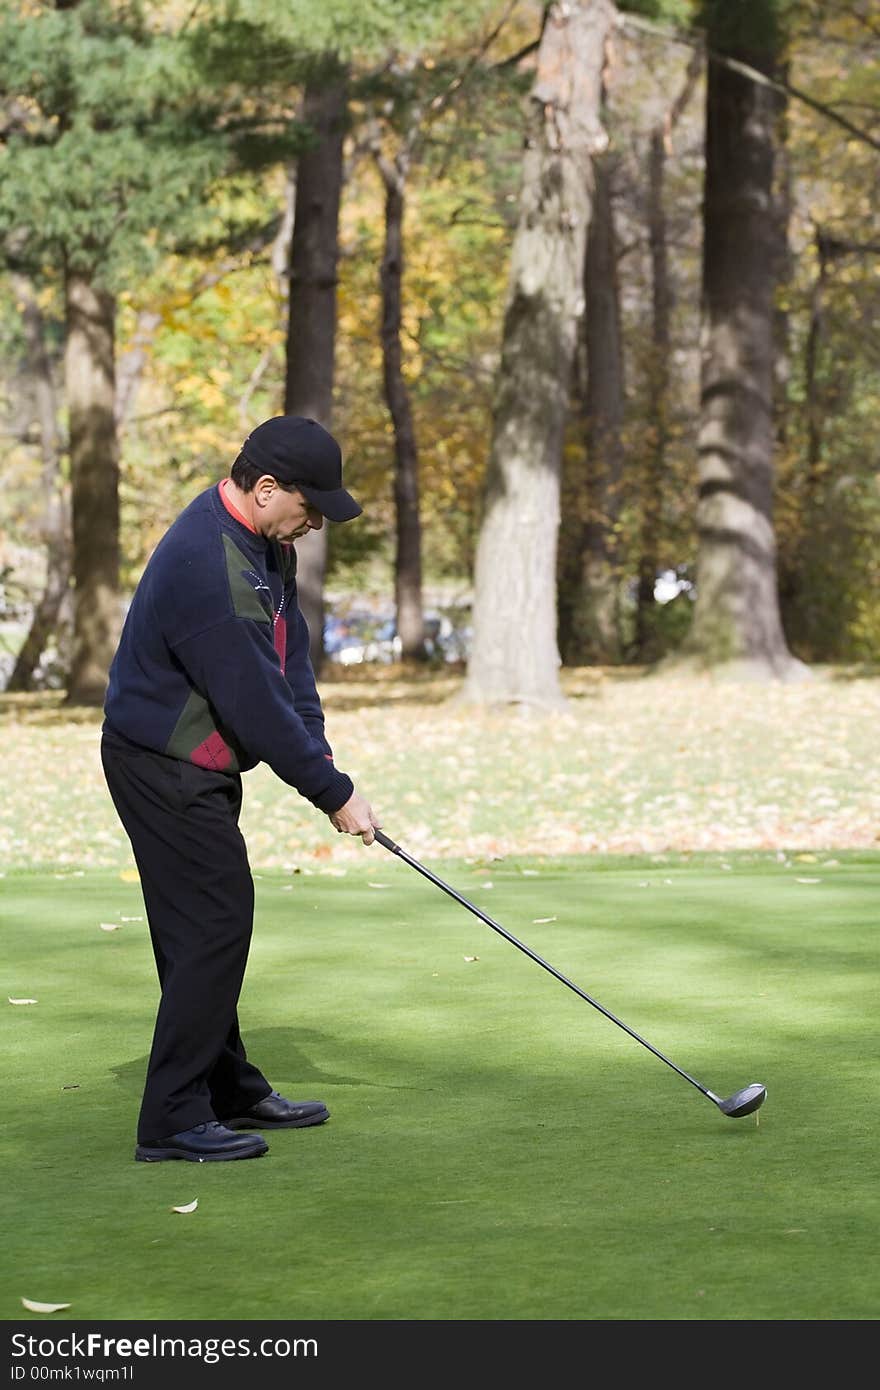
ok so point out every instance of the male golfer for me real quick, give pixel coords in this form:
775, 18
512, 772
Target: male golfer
212, 676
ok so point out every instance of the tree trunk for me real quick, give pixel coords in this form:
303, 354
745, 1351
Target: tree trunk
815, 405
645, 638
658, 401
736, 625
94, 471
588, 608
514, 654
311, 331
56, 522
783, 205
408, 558
131, 366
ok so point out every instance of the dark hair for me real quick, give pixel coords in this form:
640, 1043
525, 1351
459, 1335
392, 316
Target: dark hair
246, 475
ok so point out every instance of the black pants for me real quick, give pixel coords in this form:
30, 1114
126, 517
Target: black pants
182, 821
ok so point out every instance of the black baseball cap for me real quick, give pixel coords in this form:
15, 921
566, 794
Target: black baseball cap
300, 453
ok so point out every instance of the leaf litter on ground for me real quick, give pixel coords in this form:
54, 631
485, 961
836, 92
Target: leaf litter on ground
636, 763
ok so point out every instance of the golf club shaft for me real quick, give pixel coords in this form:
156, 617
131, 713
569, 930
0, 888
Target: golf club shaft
521, 946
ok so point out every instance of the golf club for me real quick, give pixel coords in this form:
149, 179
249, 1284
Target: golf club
742, 1102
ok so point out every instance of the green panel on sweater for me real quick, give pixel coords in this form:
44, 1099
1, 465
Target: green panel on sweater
247, 600
197, 730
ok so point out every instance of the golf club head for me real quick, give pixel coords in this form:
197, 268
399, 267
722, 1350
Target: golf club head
745, 1101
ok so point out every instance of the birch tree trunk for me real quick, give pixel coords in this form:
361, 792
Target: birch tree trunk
514, 654
311, 331
89, 368
736, 625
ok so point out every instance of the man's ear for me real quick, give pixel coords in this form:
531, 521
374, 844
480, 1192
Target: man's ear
264, 489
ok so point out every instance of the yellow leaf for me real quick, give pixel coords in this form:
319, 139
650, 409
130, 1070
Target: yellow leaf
130, 876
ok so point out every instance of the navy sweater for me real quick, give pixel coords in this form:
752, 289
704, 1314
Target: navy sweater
213, 662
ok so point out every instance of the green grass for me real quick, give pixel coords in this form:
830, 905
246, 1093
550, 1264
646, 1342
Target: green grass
497, 1149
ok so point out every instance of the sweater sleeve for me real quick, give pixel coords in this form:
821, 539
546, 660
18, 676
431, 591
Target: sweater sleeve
235, 667
301, 678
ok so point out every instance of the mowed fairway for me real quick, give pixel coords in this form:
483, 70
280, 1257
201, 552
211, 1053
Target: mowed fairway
497, 1149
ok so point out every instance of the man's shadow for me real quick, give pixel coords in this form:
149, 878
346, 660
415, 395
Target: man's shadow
282, 1055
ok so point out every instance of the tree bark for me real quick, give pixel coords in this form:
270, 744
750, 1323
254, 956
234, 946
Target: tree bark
589, 629
56, 521
131, 366
783, 206
815, 405
658, 400
514, 654
408, 557
311, 330
94, 470
662, 298
736, 626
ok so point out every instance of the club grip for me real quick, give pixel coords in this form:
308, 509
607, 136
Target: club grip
384, 840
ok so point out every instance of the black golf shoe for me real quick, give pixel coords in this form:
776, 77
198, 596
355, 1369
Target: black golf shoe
207, 1143
275, 1112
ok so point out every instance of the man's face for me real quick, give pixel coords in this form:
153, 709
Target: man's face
281, 515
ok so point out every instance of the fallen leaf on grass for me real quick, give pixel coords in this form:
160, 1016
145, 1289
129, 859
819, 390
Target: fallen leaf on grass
20, 1001
109, 926
808, 880
34, 1307
131, 919
378, 885
130, 876
471, 957
73, 1086
190, 1206
537, 920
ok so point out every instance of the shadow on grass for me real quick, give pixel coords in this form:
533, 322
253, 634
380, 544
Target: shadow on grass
279, 1054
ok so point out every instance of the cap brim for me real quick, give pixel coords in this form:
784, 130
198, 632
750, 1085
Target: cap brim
335, 505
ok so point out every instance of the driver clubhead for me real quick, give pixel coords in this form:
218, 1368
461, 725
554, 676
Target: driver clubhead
745, 1101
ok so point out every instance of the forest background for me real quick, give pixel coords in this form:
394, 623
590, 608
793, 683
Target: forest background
165, 289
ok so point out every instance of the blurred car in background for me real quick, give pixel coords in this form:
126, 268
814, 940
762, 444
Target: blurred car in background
357, 636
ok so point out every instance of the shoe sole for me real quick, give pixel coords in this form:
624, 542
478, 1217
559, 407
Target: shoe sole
242, 1122
143, 1155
